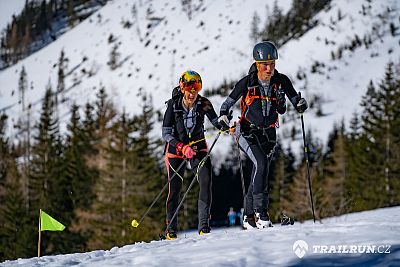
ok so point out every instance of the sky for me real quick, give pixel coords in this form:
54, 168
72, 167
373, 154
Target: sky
336, 241
7, 9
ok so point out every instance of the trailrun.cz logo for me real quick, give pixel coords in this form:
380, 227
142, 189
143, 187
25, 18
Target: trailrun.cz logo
300, 248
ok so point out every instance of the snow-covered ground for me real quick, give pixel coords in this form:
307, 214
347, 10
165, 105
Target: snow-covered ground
370, 238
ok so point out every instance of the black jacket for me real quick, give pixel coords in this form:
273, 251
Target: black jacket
174, 131
254, 113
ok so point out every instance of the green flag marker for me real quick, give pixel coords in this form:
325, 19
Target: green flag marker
47, 223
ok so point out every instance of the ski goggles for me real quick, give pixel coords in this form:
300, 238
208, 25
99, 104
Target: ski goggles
191, 86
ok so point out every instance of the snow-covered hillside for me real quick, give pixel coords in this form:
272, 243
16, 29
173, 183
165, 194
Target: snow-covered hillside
157, 41
370, 238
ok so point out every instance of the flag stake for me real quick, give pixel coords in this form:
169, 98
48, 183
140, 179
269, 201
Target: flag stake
40, 213
47, 223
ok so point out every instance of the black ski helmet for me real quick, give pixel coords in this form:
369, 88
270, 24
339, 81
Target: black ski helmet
265, 51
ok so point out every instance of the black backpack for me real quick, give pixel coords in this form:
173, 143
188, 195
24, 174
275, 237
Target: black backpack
176, 92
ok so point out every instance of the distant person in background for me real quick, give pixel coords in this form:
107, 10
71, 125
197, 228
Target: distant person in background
263, 96
240, 215
184, 123
232, 217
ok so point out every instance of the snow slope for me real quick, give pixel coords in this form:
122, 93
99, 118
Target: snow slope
162, 42
267, 247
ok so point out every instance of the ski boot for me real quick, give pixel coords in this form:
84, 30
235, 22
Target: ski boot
248, 222
205, 230
169, 235
262, 220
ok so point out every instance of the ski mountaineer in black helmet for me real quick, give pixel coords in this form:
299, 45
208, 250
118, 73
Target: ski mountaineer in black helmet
262, 94
183, 130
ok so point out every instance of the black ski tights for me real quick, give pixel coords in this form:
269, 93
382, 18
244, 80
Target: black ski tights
175, 185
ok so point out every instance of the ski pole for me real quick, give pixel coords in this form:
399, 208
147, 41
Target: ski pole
201, 163
241, 172
308, 165
135, 223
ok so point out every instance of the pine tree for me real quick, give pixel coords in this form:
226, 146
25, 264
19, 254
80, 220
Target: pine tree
147, 171
280, 178
372, 162
334, 200
89, 133
104, 114
93, 222
60, 90
17, 231
51, 8
80, 153
45, 173
376, 164
114, 57
389, 96
60, 196
22, 87
78, 171
273, 29
16, 238
26, 40
24, 131
355, 127
3, 149
353, 150
187, 7
254, 35
299, 203
43, 152
275, 183
62, 66
129, 176
372, 139
119, 169
362, 181
72, 17
13, 42
43, 18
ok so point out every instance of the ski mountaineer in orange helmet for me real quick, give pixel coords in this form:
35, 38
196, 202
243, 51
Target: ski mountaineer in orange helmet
183, 124
263, 96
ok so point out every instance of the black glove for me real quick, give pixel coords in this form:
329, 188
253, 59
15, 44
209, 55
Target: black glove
280, 96
301, 105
